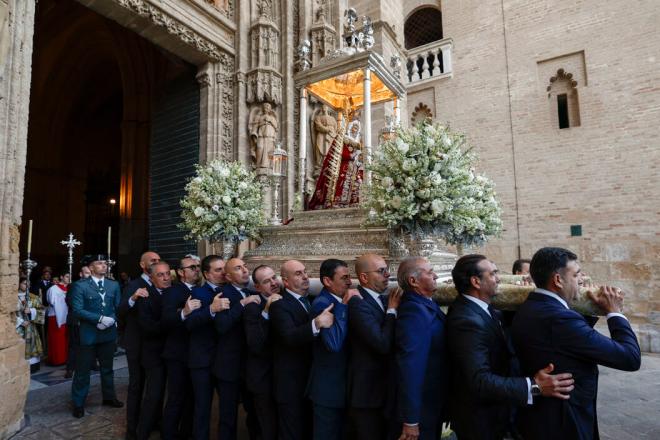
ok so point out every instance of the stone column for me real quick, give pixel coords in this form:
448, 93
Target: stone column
367, 123
17, 27
302, 143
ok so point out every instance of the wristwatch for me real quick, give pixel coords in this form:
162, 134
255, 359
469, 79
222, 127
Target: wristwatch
536, 389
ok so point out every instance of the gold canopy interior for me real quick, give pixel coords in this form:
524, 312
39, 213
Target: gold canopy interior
347, 89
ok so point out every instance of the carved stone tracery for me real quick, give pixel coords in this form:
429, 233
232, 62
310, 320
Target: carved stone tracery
173, 26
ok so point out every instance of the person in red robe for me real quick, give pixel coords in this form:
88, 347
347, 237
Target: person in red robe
338, 184
57, 313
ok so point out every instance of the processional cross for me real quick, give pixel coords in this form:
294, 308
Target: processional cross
71, 243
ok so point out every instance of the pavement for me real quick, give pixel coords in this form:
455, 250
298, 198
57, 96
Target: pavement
628, 405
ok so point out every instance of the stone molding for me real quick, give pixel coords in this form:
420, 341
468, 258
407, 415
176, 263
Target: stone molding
145, 9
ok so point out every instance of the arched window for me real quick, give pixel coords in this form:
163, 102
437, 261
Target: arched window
563, 100
422, 27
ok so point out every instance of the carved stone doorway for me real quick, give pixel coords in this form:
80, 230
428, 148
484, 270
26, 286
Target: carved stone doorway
94, 85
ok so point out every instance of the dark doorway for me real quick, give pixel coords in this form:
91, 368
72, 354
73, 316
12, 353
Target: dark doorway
91, 109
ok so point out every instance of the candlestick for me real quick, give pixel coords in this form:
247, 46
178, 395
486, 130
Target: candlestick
29, 246
109, 239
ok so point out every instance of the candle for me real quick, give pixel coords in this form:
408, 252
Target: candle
29, 249
109, 239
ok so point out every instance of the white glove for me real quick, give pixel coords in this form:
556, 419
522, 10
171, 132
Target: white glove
105, 322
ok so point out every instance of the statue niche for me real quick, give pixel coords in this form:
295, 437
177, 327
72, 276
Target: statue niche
263, 128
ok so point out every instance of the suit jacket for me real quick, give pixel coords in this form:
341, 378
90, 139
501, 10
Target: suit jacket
131, 336
371, 336
259, 353
292, 336
88, 308
176, 341
327, 377
229, 352
422, 367
545, 331
482, 391
153, 335
203, 338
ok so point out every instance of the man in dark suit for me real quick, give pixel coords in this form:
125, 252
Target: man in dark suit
177, 305
259, 358
327, 377
131, 339
483, 390
545, 330
421, 358
230, 349
201, 349
73, 329
293, 331
371, 335
153, 340
94, 301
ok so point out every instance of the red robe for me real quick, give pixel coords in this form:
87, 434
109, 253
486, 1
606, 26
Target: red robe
346, 192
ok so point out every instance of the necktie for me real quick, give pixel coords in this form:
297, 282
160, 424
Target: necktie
217, 290
305, 303
381, 302
101, 285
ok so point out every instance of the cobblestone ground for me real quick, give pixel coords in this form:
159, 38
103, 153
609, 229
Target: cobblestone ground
628, 406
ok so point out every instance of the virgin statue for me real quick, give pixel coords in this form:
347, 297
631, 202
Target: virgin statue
338, 184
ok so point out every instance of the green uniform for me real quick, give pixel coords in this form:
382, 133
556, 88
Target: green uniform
89, 302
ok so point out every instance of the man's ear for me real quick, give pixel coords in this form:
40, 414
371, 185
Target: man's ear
475, 282
557, 280
325, 281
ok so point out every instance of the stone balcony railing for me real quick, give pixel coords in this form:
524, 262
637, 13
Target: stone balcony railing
429, 62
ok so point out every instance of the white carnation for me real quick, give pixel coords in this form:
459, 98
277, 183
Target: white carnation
199, 211
226, 200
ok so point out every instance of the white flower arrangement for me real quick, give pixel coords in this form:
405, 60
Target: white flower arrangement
223, 202
423, 183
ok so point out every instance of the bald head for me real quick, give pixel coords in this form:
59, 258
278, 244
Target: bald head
237, 273
372, 272
294, 277
147, 259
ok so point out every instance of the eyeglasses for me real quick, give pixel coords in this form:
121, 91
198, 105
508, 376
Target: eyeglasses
382, 271
191, 267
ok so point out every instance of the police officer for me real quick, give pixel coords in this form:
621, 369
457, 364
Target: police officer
94, 301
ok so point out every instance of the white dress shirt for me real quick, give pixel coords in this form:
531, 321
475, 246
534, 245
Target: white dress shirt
376, 296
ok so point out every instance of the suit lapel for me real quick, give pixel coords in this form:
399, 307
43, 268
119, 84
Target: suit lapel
491, 322
296, 306
370, 299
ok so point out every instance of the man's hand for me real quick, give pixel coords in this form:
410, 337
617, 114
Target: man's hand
191, 304
219, 304
25, 323
140, 293
557, 385
271, 299
610, 299
394, 298
251, 299
409, 432
350, 294
325, 319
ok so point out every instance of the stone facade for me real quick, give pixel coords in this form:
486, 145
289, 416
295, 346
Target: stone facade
497, 75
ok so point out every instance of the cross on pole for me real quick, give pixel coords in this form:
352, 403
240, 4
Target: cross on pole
71, 243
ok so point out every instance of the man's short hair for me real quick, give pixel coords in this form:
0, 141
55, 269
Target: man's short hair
152, 267
257, 269
208, 260
409, 267
465, 268
518, 265
546, 262
329, 267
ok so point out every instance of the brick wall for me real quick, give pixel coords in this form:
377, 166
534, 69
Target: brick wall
602, 175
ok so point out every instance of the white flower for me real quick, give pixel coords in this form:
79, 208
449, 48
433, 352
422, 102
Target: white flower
396, 202
197, 180
402, 146
199, 211
388, 182
242, 185
216, 208
226, 200
409, 164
